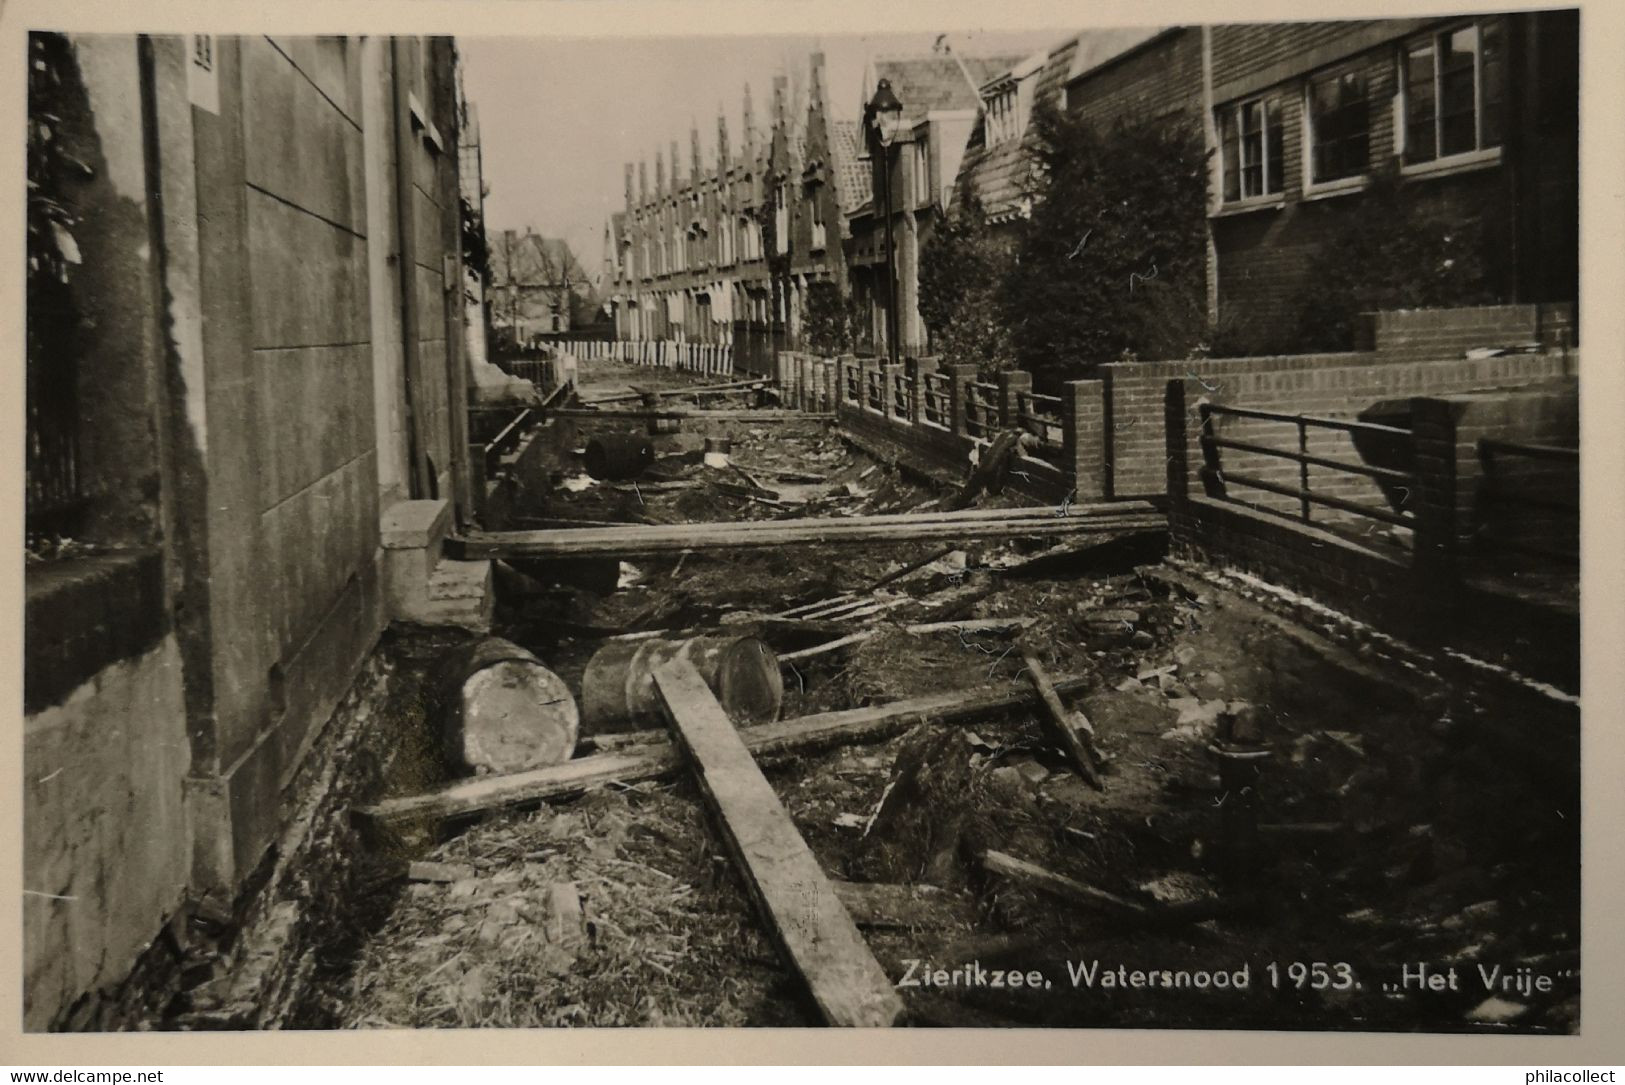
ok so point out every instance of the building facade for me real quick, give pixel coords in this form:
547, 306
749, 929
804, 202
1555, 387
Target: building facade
273, 367
1473, 119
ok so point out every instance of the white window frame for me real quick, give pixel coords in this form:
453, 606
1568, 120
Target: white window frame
820, 234
1336, 186
921, 172
1265, 198
781, 220
1480, 156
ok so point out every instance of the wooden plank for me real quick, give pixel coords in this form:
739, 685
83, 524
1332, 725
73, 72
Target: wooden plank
722, 415
808, 920
974, 625
641, 539
1077, 747
1031, 874
703, 389
654, 758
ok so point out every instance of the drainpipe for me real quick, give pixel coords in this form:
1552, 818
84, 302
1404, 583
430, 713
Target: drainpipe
411, 320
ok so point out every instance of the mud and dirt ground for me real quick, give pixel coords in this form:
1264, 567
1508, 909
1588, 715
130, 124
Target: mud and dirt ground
1406, 821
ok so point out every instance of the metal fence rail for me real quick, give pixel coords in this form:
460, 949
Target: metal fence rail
981, 408
1040, 415
936, 408
902, 396
1399, 485
1516, 495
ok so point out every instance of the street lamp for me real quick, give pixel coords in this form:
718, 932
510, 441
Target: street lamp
886, 120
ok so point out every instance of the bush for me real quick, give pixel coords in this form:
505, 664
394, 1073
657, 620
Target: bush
829, 322
1401, 250
1112, 262
962, 267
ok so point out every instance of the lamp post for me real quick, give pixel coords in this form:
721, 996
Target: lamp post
886, 116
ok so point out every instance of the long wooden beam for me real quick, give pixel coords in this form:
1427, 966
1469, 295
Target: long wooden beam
644, 539
809, 922
698, 413
703, 389
652, 758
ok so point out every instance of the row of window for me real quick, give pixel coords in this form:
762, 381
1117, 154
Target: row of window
1451, 89
661, 256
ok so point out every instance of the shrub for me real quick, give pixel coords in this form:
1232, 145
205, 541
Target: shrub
1113, 260
962, 266
1402, 250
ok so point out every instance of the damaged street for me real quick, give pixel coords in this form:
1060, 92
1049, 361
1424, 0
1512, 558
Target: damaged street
1375, 819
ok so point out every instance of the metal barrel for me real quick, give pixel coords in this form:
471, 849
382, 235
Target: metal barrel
618, 691
619, 456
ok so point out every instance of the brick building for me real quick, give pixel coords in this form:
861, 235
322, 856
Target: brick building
997, 164
1475, 118
688, 257
823, 180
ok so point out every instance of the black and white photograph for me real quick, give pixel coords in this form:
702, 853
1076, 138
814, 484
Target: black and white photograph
1068, 526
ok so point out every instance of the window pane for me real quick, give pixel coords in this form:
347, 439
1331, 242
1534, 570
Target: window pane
1492, 74
1276, 145
1229, 148
1458, 126
1420, 141
1340, 127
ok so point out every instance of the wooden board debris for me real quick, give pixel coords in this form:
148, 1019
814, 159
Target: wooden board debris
809, 922
970, 625
1073, 731
1070, 889
650, 758
643, 539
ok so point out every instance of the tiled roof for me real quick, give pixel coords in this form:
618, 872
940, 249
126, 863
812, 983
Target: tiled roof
997, 176
851, 172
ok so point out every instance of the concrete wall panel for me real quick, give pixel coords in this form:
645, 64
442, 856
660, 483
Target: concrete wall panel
309, 278
105, 858
315, 414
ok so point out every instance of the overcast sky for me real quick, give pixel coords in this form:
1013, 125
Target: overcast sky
559, 118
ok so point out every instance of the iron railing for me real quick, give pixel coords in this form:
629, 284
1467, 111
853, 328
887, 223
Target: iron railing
981, 408
1537, 488
902, 396
936, 406
1041, 416
1396, 484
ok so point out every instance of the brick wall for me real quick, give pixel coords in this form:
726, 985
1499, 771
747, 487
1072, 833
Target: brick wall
1429, 593
1416, 334
1334, 385
1164, 76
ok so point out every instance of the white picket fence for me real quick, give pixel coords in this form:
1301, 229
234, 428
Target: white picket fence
713, 360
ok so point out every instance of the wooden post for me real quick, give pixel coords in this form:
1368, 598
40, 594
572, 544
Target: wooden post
1066, 729
809, 922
